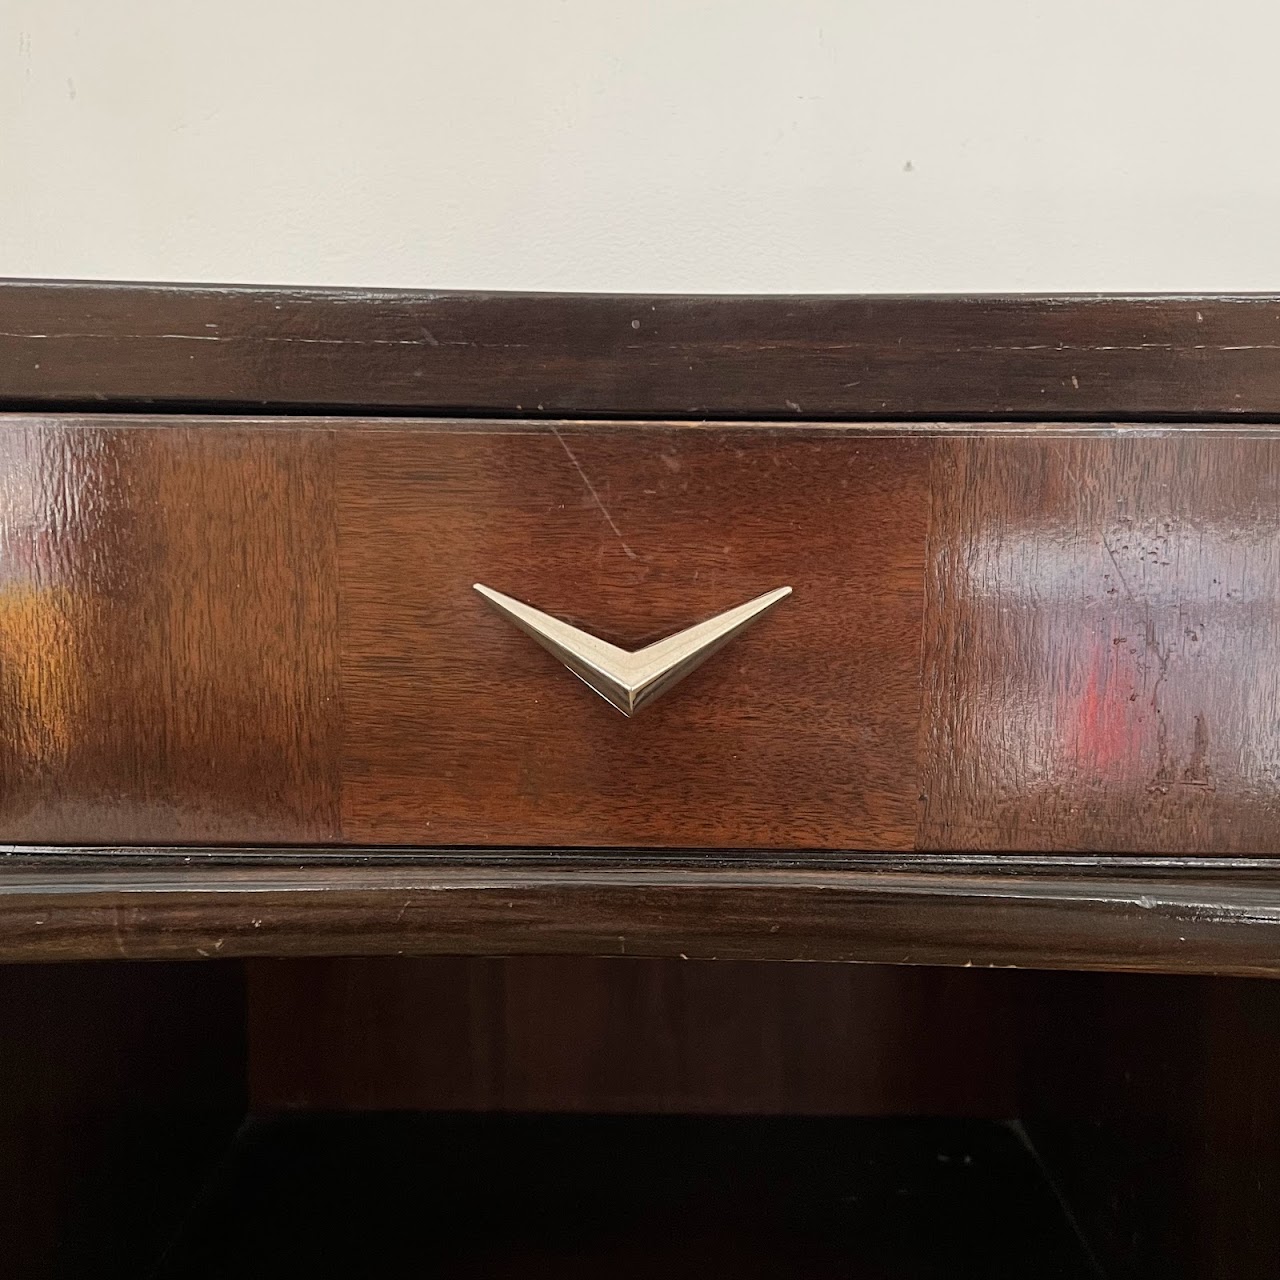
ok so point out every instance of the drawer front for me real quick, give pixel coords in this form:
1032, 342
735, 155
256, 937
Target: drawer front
801, 732
1030, 639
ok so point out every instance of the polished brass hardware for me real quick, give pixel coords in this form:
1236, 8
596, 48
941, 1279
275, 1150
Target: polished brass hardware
630, 680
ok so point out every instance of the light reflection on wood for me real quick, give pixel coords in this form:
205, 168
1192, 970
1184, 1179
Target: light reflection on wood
1102, 652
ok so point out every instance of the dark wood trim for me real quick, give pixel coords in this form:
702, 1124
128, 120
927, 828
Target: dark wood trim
75, 345
120, 1087
1186, 916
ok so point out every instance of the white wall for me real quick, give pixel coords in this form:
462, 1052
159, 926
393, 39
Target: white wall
703, 145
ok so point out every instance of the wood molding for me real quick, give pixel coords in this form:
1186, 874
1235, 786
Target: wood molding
1173, 915
74, 344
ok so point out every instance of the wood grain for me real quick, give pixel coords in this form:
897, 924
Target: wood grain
82, 344
167, 633
1102, 662
586, 1035
120, 1086
1153, 1101
460, 730
1198, 916
186, 655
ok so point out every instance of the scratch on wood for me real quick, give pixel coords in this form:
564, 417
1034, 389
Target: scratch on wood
1174, 347
1124, 582
427, 340
591, 489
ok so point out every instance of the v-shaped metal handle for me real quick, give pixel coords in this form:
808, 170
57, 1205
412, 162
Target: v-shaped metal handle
627, 679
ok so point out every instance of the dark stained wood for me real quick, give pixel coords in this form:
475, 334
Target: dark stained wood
120, 1084
573, 1033
168, 633
1192, 916
459, 730
1153, 1100
999, 640
234, 654
76, 344
1102, 656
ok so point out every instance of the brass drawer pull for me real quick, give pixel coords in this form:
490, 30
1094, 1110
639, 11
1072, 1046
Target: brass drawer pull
630, 680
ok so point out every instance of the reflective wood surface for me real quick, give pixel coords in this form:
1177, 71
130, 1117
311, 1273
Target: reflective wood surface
167, 633
1050, 640
1102, 648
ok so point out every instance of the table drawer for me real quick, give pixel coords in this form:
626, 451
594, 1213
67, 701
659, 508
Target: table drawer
1030, 639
